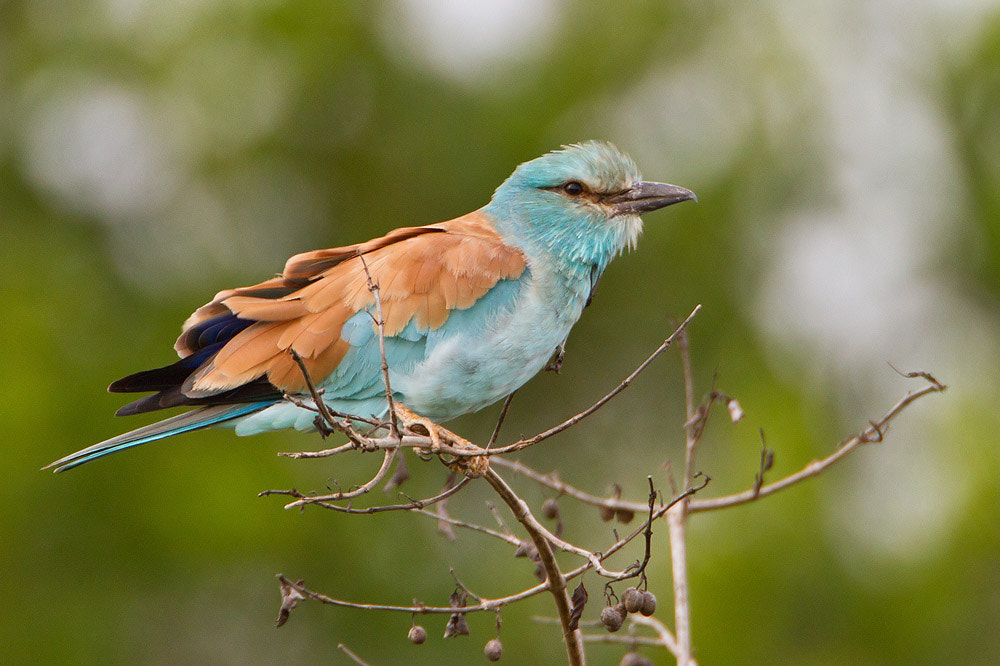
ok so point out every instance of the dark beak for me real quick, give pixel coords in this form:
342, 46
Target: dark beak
644, 197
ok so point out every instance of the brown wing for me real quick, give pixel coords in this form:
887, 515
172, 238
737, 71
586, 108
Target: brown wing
422, 272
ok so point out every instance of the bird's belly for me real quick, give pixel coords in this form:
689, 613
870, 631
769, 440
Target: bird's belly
466, 372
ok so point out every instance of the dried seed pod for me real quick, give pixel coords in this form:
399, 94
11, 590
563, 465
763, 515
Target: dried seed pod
550, 508
612, 618
457, 626
632, 598
607, 514
648, 604
635, 659
417, 635
625, 516
493, 650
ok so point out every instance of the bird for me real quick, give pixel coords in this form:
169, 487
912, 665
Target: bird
472, 308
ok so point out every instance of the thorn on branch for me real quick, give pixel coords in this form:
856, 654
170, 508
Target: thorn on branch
875, 434
922, 374
766, 463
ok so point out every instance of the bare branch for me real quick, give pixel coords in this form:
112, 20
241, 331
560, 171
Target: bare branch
411, 505
503, 536
326, 417
357, 492
500, 420
873, 433
677, 518
554, 577
572, 421
380, 327
355, 658
297, 591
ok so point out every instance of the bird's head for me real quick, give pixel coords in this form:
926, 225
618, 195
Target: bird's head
581, 203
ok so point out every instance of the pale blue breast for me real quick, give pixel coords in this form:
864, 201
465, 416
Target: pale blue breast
483, 353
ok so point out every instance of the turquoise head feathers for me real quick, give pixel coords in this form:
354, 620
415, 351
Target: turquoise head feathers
579, 205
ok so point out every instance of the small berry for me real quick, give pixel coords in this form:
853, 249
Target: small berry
550, 508
625, 516
607, 514
417, 634
632, 598
648, 604
635, 659
612, 618
493, 650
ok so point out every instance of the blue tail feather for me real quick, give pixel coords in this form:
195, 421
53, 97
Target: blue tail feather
175, 425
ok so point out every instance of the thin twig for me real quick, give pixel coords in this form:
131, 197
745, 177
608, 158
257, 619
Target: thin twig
380, 327
488, 604
411, 505
695, 505
321, 407
355, 658
357, 492
500, 419
503, 536
572, 421
873, 433
665, 639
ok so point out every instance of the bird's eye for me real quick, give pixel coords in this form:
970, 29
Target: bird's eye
573, 188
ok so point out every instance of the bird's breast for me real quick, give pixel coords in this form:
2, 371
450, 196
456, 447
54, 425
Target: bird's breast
473, 364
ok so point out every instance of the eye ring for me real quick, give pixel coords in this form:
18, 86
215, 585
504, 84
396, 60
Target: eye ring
573, 188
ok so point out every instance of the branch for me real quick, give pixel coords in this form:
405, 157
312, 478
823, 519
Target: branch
554, 577
380, 327
873, 433
357, 492
677, 518
869, 435
572, 421
412, 505
326, 416
355, 658
294, 591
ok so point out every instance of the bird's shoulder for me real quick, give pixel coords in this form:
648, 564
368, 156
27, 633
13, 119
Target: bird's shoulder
421, 273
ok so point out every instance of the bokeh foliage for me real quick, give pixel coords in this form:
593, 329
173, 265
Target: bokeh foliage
153, 153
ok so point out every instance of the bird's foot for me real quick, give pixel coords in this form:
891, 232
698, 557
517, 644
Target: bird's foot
555, 363
472, 466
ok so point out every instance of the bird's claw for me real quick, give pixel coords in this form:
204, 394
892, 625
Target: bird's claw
555, 363
472, 466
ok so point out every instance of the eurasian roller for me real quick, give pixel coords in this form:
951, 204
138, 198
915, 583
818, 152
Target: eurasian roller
472, 309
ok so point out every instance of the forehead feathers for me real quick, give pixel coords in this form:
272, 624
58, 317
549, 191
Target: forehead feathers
598, 165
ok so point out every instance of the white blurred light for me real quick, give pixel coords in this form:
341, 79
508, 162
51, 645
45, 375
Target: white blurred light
901, 498
466, 40
96, 146
690, 118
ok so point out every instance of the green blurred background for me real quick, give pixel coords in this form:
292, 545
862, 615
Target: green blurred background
847, 160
